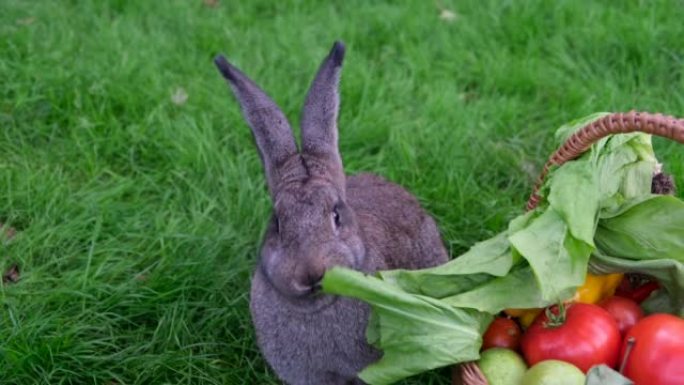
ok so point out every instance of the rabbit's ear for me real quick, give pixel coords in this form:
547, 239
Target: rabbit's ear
319, 118
270, 128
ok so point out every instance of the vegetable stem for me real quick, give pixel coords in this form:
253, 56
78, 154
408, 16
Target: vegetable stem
628, 350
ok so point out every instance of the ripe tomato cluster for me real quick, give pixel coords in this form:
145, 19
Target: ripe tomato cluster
648, 350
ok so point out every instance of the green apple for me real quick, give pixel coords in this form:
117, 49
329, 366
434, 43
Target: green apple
502, 366
553, 372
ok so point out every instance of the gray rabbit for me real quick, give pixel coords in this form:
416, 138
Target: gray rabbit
322, 218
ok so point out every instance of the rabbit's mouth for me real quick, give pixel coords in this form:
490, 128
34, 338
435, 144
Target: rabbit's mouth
312, 302
312, 289
304, 298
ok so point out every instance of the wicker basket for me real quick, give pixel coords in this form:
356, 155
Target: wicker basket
617, 123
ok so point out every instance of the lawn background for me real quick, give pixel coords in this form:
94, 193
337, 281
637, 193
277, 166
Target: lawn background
138, 195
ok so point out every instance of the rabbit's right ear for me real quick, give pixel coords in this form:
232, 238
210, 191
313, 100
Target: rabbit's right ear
270, 128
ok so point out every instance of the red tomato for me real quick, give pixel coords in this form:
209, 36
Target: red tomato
625, 311
502, 333
657, 354
587, 336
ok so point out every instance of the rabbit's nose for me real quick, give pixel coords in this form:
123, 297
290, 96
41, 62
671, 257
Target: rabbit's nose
316, 276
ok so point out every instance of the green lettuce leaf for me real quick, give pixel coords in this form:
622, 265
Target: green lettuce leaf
495, 295
651, 229
580, 215
487, 259
549, 248
646, 236
416, 333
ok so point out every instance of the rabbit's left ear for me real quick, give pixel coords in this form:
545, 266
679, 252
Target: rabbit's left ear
319, 120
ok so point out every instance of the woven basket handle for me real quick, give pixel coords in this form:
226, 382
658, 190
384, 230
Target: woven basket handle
616, 123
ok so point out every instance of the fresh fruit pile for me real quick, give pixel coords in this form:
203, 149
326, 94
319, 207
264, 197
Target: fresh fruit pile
563, 342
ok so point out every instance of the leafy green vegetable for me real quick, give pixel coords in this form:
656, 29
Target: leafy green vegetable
628, 236
483, 261
495, 295
578, 214
417, 333
598, 212
646, 236
549, 248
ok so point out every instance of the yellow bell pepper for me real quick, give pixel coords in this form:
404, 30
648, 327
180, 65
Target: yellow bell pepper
594, 289
524, 316
597, 287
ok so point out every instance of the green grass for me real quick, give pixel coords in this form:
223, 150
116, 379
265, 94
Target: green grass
139, 220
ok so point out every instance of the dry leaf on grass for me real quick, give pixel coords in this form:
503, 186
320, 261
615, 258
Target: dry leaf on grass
7, 232
530, 169
179, 96
11, 275
447, 15
26, 20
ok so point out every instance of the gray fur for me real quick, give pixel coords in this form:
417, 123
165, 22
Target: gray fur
322, 219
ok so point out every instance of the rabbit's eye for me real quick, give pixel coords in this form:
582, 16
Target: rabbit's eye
336, 217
